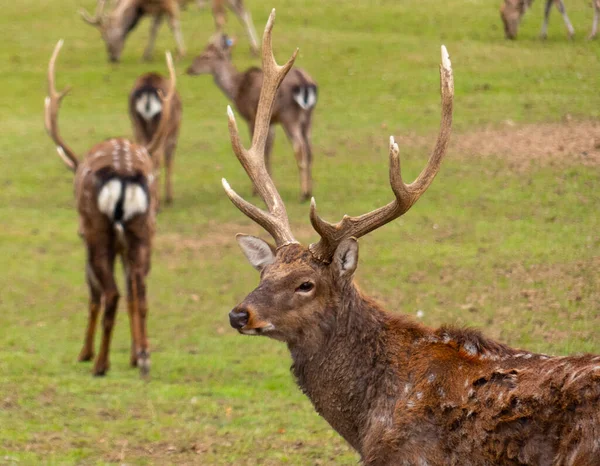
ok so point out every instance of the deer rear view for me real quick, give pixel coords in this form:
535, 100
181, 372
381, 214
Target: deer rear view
116, 199
146, 112
292, 107
399, 392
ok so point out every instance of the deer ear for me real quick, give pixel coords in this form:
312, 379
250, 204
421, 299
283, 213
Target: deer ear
258, 252
345, 258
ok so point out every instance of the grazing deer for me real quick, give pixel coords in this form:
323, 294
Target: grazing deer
293, 106
115, 26
399, 392
116, 200
512, 11
145, 112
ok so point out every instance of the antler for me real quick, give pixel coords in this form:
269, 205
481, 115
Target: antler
406, 195
97, 19
275, 221
52, 106
157, 142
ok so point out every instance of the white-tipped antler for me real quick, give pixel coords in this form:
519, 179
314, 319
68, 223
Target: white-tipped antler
275, 221
406, 194
51, 108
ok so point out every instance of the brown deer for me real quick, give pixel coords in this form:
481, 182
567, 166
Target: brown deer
145, 112
116, 200
399, 392
512, 11
115, 26
293, 106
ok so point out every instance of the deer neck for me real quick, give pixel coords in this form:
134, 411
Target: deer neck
227, 78
346, 370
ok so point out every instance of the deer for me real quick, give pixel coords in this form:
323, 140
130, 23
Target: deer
145, 113
115, 193
512, 11
293, 106
399, 392
115, 26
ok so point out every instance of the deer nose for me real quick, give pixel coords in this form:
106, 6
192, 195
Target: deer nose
238, 318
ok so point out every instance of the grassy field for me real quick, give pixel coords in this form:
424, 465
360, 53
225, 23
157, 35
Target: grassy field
507, 239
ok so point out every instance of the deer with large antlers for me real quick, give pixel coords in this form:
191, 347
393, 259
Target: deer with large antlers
116, 199
116, 25
512, 11
399, 392
293, 106
146, 112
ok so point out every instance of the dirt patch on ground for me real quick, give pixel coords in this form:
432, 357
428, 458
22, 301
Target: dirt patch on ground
554, 144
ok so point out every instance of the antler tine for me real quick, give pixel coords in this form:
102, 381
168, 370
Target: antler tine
406, 195
158, 140
97, 19
275, 221
51, 108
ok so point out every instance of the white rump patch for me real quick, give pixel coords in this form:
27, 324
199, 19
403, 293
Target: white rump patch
148, 105
109, 196
306, 97
135, 201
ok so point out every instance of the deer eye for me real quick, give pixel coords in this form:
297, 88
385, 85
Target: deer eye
305, 287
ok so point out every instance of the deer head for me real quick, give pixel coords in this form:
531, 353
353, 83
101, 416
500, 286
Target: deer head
217, 51
511, 13
110, 28
299, 286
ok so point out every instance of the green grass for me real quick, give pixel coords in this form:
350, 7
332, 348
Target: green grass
515, 252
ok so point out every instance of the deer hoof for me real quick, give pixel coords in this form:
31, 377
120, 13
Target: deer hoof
100, 370
305, 197
143, 363
85, 355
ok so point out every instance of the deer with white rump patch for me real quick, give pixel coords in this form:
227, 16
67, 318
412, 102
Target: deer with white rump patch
512, 11
293, 106
399, 392
146, 113
116, 199
116, 25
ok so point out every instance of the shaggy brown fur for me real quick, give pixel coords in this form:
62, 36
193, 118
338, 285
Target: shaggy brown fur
404, 394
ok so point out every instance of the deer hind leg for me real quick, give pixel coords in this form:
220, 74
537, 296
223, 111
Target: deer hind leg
561, 7
102, 264
169, 156
303, 160
596, 18
547, 9
87, 352
137, 270
175, 26
156, 22
218, 11
237, 6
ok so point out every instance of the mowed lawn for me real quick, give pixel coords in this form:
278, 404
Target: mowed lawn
507, 239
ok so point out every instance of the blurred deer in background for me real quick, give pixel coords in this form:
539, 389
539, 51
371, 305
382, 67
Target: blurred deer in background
293, 105
145, 112
399, 392
126, 14
512, 11
116, 200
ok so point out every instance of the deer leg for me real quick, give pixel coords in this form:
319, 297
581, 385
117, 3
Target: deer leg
218, 11
176, 30
596, 18
547, 9
169, 156
103, 268
156, 22
139, 265
561, 7
237, 6
87, 352
303, 160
